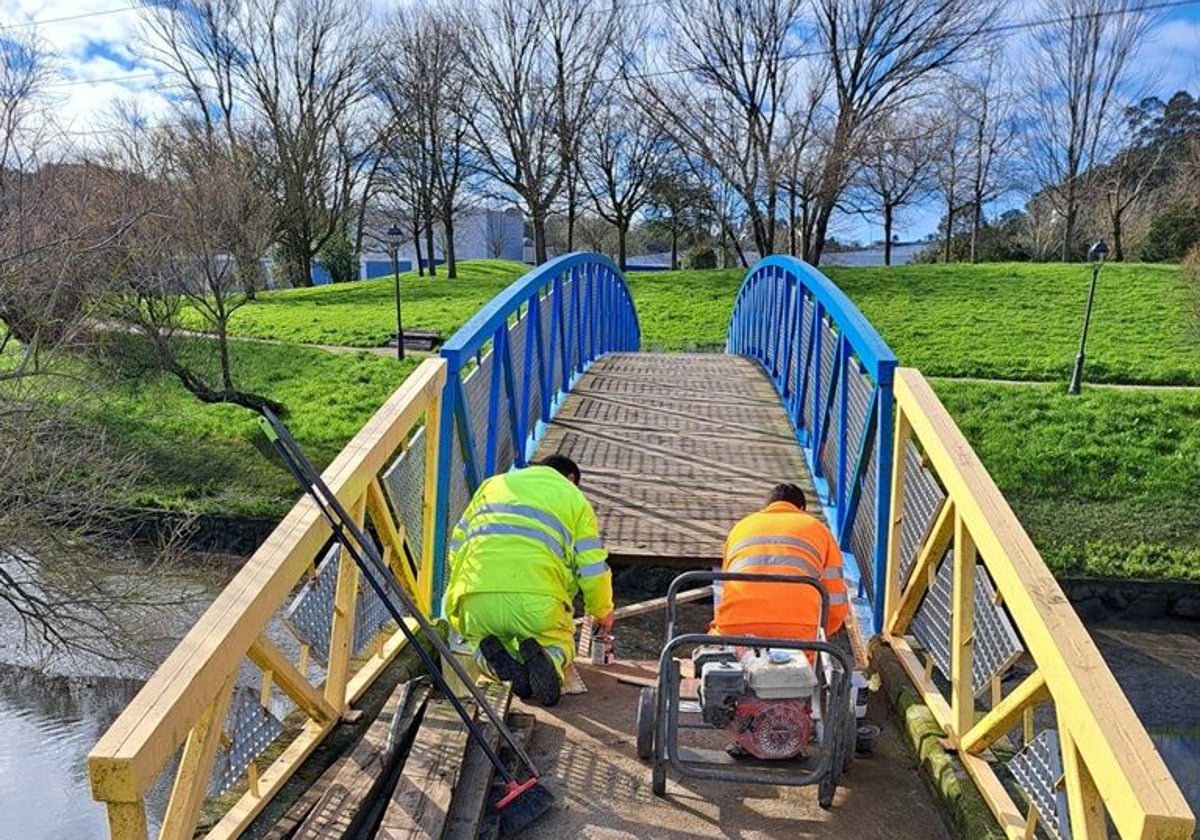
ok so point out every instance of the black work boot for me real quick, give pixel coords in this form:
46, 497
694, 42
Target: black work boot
543, 679
505, 667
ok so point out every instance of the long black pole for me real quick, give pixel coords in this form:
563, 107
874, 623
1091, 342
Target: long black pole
341, 523
1077, 373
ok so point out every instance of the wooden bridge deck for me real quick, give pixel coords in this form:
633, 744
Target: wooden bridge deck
674, 449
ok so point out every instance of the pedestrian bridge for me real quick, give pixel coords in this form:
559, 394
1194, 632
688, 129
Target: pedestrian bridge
674, 448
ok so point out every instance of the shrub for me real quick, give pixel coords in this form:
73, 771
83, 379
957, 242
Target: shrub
700, 256
1173, 233
340, 257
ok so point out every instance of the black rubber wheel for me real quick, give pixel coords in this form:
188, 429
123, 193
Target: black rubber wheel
647, 718
825, 791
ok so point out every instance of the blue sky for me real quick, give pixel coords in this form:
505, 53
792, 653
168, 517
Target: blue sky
93, 42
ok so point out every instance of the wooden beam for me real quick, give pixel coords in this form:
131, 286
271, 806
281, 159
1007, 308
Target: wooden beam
962, 632
1008, 815
420, 804
1084, 804
391, 532
191, 780
127, 820
271, 659
920, 578
892, 585
1137, 787
474, 783
1006, 714
363, 774
129, 756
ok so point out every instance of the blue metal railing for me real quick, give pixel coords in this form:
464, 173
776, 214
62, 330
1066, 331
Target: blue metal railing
834, 374
511, 366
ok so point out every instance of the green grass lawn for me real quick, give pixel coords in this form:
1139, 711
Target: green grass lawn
1107, 484
214, 458
363, 314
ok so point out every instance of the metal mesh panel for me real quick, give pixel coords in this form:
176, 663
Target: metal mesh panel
404, 482
792, 351
828, 349
810, 373
922, 499
995, 644
829, 452
476, 389
249, 729
310, 615
858, 403
1037, 769
862, 530
548, 363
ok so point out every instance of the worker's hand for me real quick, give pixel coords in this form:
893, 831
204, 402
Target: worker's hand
605, 624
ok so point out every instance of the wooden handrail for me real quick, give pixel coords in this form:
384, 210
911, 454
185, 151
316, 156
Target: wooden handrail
183, 692
1107, 754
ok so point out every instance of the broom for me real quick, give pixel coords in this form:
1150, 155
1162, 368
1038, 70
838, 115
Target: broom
522, 802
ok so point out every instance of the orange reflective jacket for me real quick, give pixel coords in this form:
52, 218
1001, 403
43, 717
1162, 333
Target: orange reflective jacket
780, 539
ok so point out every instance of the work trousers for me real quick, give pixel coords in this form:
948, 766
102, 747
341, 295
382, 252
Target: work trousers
513, 616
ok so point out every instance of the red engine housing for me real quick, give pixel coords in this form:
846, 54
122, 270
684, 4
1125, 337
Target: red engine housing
772, 729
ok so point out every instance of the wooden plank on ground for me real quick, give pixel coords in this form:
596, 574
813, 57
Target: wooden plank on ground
361, 774
520, 725
471, 792
420, 804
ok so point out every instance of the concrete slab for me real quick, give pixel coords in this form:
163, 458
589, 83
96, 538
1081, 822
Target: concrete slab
584, 746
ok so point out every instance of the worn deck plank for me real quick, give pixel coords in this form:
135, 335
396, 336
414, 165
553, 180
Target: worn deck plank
471, 792
354, 780
675, 448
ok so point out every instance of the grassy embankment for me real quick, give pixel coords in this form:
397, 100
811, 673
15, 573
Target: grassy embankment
1106, 484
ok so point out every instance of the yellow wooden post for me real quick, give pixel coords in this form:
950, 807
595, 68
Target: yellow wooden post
1006, 713
288, 677
191, 781
127, 820
1083, 799
962, 631
341, 633
391, 534
891, 601
924, 571
433, 415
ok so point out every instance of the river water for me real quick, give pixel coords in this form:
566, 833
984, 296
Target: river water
53, 711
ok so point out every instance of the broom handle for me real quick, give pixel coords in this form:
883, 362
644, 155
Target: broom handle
341, 522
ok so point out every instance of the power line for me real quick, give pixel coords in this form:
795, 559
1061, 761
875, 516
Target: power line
25, 24
996, 29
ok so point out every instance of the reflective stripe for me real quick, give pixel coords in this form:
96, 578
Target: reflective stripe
590, 544
593, 569
791, 542
798, 563
718, 591
838, 598
832, 573
455, 545
500, 528
530, 512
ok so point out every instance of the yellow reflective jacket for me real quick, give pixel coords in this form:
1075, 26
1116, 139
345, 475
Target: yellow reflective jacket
531, 531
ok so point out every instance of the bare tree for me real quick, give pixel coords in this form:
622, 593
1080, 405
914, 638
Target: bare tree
619, 161
421, 79
879, 53
537, 70
725, 97
1087, 51
674, 202
986, 101
952, 172
896, 171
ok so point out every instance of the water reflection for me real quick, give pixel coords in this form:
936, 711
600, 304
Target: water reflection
47, 726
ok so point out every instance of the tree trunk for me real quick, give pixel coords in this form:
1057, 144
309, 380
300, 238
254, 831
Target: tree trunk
1069, 221
417, 248
792, 222
430, 249
537, 218
451, 259
949, 231
887, 234
674, 248
622, 233
306, 267
818, 236
976, 223
1118, 244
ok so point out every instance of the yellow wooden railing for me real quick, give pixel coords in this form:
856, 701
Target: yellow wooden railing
186, 700
1109, 763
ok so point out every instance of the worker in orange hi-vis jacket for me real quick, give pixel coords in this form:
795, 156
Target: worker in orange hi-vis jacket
780, 539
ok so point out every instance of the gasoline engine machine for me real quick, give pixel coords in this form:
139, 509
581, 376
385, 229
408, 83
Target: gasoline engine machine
789, 707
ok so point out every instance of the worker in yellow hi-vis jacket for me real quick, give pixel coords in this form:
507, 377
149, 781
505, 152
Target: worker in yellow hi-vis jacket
525, 545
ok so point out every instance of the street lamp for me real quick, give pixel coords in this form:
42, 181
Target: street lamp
1096, 255
394, 235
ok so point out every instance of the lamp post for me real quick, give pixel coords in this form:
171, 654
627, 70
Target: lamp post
1096, 255
394, 235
